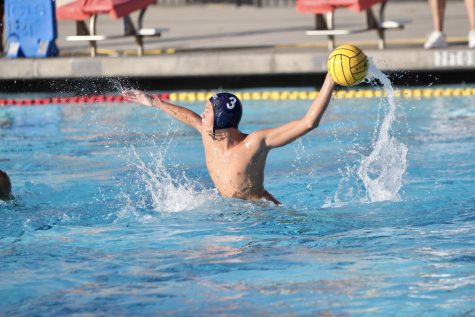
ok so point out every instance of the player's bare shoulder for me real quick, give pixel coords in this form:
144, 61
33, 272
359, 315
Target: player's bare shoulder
253, 143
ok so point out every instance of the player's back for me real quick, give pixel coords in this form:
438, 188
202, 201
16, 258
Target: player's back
236, 166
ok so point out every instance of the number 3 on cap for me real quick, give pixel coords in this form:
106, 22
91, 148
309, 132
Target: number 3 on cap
233, 103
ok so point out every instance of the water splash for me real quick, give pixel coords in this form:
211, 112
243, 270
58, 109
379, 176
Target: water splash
383, 169
169, 192
349, 187
161, 186
376, 176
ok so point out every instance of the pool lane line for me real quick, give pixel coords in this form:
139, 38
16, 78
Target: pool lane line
200, 96
69, 100
409, 93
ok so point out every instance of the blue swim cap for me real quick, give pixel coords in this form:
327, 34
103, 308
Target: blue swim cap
227, 110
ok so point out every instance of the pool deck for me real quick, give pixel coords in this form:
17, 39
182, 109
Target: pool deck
223, 40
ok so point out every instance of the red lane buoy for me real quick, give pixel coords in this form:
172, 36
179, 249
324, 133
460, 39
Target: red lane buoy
74, 99
83, 99
56, 100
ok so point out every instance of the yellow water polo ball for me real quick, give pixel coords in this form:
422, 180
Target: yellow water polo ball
347, 65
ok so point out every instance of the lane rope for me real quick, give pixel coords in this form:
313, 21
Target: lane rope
409, 93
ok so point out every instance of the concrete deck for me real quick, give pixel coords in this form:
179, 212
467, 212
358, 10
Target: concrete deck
223, 40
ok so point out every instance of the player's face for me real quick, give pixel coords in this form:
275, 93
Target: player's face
207, 118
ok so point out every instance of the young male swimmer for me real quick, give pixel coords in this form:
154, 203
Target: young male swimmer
236, 160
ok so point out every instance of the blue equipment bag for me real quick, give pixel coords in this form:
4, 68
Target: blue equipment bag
31, 28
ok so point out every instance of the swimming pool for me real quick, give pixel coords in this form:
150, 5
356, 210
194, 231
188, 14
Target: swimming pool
115, 213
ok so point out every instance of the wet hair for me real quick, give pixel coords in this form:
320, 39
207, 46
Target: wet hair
5, 186
227, 111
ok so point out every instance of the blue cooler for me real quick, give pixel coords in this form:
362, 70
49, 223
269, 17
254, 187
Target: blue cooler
30, 28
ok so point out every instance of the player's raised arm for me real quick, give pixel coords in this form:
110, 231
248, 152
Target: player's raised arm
283, 135
182, 114
347, 66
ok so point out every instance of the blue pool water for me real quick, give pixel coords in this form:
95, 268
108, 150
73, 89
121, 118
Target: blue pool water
115, 214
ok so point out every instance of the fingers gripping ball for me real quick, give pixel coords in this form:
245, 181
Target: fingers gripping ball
347, 65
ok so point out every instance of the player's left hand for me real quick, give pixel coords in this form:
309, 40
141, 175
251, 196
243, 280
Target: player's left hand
138, 96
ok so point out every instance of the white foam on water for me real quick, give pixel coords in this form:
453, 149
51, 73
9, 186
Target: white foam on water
169, 193
160, 186
377, 176
348, 190
383, 169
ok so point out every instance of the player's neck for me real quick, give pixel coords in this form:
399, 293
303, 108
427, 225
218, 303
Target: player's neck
227, 138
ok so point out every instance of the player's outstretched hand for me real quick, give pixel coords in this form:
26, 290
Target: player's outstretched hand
138, 96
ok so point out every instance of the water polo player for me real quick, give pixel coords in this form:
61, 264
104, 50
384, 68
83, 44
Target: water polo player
236, 160
5, 186
227, 111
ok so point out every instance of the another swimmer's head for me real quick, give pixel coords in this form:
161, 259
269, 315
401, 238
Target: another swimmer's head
227, 111
5, 186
